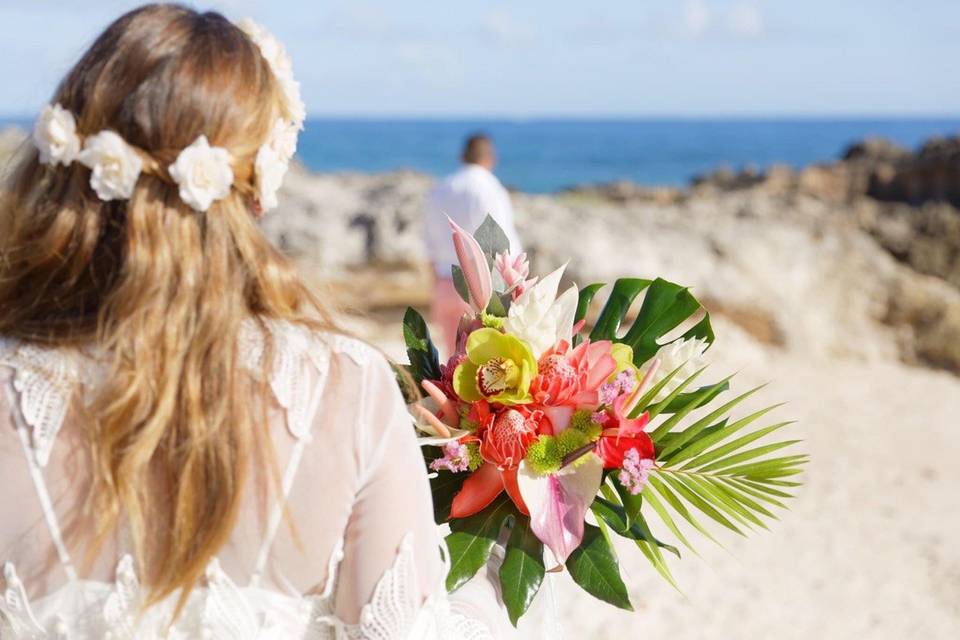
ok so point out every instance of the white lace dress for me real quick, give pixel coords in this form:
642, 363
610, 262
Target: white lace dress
358, 556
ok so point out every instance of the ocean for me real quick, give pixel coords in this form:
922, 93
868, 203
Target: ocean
542, 156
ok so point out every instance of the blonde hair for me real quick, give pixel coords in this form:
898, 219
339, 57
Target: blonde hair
161, 290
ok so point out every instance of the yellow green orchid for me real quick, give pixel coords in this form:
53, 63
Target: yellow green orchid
499, 368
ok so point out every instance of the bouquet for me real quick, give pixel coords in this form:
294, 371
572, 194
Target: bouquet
566, 439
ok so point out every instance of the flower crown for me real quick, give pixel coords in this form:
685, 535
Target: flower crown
203, 173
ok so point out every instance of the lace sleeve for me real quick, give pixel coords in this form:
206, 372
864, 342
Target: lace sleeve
391, 577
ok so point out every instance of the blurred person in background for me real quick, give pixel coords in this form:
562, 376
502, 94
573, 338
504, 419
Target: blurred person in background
466, 196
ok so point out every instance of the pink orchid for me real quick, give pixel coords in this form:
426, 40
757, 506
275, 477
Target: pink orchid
558, 503
473, 262
514, 273
571, 378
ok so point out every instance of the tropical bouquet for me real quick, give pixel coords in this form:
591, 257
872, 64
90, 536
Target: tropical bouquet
556, 439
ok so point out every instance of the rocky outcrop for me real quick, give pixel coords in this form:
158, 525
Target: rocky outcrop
795, 259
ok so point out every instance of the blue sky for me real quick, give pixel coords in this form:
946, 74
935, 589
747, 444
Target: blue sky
556, 57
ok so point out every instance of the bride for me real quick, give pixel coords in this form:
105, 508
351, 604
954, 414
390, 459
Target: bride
189, 448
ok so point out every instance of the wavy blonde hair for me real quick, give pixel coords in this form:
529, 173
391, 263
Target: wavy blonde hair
161, 290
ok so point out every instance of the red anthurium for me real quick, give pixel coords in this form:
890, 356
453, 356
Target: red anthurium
622, 434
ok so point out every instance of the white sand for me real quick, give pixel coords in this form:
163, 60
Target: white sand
869, 549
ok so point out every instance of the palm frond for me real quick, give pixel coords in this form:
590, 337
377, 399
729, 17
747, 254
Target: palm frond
711, 466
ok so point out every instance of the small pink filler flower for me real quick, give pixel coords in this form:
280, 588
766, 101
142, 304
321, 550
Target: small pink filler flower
635, 471
455, 458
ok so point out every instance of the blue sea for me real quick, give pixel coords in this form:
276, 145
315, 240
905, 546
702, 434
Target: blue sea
543, 156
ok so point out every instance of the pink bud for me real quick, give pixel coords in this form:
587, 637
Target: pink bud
474, 266
514, 273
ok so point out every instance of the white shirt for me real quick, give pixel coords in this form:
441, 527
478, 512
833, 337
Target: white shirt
467, 196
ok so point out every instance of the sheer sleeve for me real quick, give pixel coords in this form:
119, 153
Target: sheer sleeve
393, 507
392, 572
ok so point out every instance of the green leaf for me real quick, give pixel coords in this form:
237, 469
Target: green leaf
773, 465
643, 404
583, 306
522, 571
624, 292
722, 500
707, 440
444, 487
749, 454
422, 353
702, 330
687, 434
471, 540
681, 400
460, 283
632, 502
613, 515
593, 565
665, 306
491, 238
762, 487
586, 297
702, 502
674, 501
672, 421
499, 305
652, 499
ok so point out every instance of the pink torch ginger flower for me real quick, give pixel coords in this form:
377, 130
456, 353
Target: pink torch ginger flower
515, 273
509, 434
455, 458
570, 378
635, 472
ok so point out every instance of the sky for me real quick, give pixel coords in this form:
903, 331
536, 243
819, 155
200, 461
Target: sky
555, 58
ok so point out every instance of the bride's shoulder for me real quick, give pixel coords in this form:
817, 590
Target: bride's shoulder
293, 345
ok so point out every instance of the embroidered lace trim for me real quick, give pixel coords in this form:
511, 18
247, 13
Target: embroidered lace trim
224, 610
46, 378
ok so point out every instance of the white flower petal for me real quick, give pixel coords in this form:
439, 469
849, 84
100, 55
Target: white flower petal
539, 318
115, 167
687, 355
276, 56
270, 169
203, 174
559, 502
55, 136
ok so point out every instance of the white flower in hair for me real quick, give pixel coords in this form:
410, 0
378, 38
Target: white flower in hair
55, 136
283, 139
203, 174
276, 56
273, 161
115, 166
270, 168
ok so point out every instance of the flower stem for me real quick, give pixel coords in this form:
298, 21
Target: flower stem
575, 455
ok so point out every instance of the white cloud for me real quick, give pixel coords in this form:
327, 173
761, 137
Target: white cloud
696, 17
433, 65
746, 21
504, 27
359, 21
